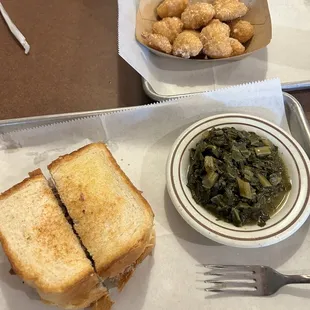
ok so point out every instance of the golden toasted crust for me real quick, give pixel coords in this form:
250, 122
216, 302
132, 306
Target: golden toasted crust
149, 248
19, 185
132, 250
82, 295
121, 263
66, 293
125, 276
105, 303
63, 159
35, 281
35, 173
44, 232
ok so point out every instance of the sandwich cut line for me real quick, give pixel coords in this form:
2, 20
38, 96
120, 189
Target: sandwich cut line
108, 212
42, 247
70, 221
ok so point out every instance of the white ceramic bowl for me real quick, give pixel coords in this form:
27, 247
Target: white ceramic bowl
283, 224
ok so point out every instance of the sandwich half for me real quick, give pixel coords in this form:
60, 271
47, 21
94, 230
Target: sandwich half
42, 247
111, 217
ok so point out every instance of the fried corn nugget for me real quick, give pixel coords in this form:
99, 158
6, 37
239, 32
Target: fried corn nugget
157, 42
215, 40
241, 30
187, 44
194, 32
171, 8
237, 47
197, 15
168, 27
226, 10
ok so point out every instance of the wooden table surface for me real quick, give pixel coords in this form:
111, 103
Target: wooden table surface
73, 64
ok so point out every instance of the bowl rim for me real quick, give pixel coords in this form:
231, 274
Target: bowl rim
214, 236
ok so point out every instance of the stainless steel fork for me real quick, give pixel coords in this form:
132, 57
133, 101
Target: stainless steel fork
248, 280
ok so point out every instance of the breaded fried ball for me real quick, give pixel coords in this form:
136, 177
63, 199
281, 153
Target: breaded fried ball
215, 40
187, 44
171, 8
194, 32
168, 27
226, 10
237, 47
241, 30
197, 15
157, 42
214, 30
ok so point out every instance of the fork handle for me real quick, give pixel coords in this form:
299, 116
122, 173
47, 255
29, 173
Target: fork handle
297, 279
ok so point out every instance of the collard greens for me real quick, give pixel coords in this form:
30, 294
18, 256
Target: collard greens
238, 176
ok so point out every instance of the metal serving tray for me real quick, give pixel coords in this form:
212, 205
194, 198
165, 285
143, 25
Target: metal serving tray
35, 121
150, 92
297, 120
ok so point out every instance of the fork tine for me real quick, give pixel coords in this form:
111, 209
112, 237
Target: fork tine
234, 292
230, 275
231, 267
225, 284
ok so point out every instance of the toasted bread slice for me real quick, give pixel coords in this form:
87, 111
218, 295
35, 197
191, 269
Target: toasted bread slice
122, 279
42, 247
110, 215
105, 303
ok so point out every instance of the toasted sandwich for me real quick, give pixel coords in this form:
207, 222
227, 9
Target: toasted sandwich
42, 247
102, 230
110, 216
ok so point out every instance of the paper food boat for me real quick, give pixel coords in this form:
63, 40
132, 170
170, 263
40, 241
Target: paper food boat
258, 15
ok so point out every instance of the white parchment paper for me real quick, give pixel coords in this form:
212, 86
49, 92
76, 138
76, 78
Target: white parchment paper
286, 56
140, 139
